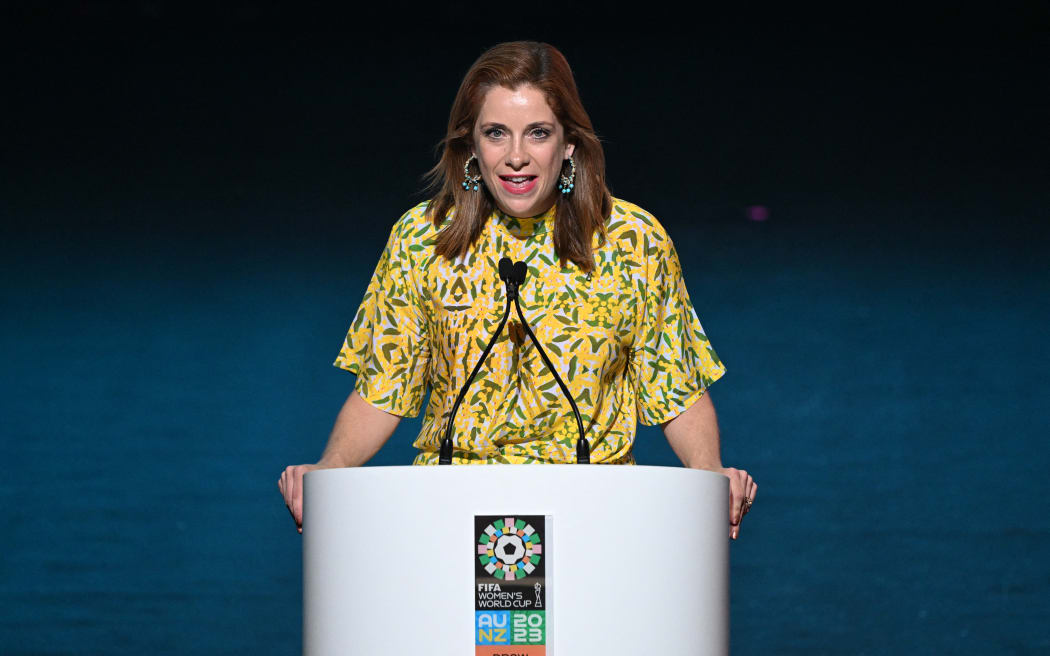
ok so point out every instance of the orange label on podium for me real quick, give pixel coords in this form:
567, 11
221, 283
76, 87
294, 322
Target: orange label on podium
511, 650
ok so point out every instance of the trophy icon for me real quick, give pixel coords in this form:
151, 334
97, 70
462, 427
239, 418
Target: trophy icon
539, 601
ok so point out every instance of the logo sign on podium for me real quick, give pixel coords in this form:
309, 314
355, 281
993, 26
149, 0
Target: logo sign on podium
511, 604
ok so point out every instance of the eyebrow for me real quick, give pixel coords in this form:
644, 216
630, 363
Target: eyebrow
537, 124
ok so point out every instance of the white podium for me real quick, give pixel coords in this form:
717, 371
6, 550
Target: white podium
634, 560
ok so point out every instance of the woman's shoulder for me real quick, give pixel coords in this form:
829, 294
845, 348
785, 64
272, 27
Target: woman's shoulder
414, 228
631, 225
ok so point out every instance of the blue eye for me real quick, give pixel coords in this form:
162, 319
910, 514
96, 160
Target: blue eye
541, 133
491, 132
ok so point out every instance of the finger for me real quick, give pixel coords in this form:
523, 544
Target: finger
741, 507
298, 501
749, 494
735, 498
743, 495
290, 486
745, 483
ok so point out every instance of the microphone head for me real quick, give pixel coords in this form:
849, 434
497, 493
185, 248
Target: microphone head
506, 269
519, 272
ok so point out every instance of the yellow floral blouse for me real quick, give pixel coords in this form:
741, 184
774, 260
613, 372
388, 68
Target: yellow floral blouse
625, 339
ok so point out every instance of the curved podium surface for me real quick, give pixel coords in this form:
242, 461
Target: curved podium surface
515, 560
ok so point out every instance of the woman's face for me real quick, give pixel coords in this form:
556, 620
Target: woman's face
520, 146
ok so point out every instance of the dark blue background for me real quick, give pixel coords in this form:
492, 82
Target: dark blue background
194, 198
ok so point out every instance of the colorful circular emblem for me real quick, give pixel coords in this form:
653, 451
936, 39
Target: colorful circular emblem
509, 549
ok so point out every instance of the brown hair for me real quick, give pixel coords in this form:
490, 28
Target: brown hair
580, 214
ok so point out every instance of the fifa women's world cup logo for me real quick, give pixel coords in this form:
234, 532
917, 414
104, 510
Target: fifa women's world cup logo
510, 549
510, 585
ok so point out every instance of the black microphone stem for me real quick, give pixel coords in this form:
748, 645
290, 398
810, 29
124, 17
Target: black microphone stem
583, 448
445, 456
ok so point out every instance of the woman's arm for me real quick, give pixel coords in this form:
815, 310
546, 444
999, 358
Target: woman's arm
694, 437
360, 431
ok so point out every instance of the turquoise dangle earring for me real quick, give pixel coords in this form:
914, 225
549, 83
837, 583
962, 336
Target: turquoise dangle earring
568, 181
470, 182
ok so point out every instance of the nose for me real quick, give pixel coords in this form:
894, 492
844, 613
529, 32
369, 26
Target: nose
517, 157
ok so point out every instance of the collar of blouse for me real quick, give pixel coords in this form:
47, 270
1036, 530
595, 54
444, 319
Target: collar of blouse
527, 226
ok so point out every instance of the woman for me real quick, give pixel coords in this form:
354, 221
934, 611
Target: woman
522, 175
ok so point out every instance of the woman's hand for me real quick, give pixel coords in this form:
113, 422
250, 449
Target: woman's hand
742, 490
291, 486
694, 437
359, 431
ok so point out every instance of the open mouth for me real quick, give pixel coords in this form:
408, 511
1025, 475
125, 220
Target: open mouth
518, 184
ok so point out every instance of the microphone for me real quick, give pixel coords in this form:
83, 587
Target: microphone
508, 274
583, 447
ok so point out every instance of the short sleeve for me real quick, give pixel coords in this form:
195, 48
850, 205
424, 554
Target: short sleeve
387, 344
673, 361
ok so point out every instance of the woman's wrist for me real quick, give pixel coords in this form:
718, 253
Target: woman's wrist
330, 462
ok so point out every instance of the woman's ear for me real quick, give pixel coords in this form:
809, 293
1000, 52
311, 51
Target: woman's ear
569, 148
